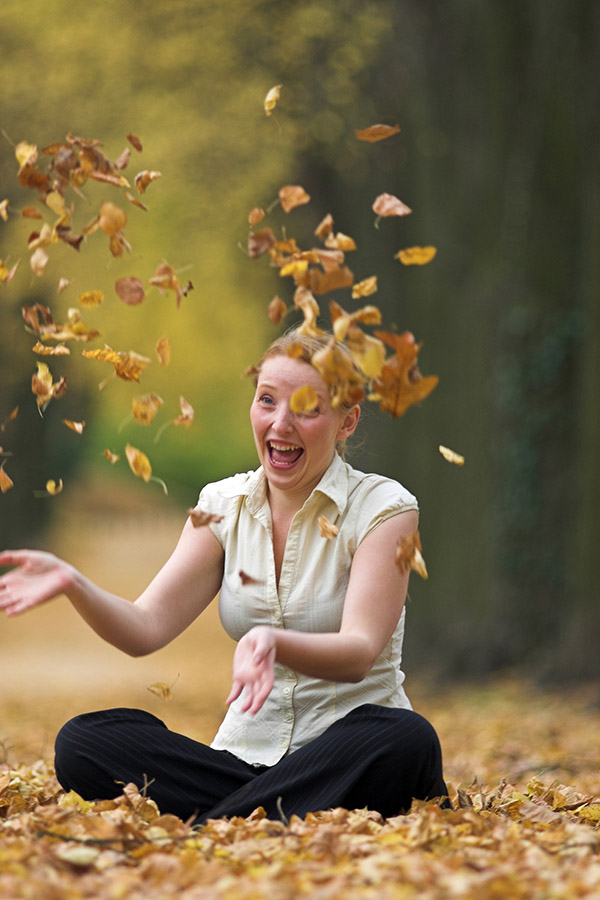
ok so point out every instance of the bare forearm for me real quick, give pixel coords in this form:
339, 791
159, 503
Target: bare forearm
332, 656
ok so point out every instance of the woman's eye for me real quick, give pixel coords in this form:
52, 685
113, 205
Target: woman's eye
266, 399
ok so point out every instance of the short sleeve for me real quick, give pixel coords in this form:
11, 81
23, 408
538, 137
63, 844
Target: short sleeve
381, 498
222, 498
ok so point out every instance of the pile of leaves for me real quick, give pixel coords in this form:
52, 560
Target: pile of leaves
543, 841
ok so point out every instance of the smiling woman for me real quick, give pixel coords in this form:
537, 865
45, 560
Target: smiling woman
317, 716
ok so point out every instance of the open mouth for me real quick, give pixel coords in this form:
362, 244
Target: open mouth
283, 455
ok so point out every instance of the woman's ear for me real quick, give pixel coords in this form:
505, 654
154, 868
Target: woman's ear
349, 423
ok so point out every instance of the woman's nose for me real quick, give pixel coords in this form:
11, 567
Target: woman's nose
283, 418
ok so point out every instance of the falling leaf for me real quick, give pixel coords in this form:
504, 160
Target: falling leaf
13, 415
291, 196
5, 481
304, 301
328, 529
74, 329
342, 321
293, 268
112, 219
260, 242
163, 350
130, 290
43, 387
90, 299
270, 101
31, 212
368, 352
336, 367
325, 227
128, 366
165, 279
388, 205
376, 133
401, 384
364, 288
199, 517
138, 463
144, 408
135, 142
161, 689
122, 161
340, 241
77, 427
136, 201
255, 216
4, 210
111, 457
7, 274
277, 310
451, 456
63, 283
248, 579
304, 400
53, 487
409, 555
416, 256
331, 280
187, 413
143, 179
38, 261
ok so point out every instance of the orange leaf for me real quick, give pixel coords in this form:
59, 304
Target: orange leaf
165, 279
270, 101
409, 555
365, 288
138, 463
291, 196
144, 408
43, 388
400, 384
277, 310
163, 350
77, 427
143, 179
128, 366
200, 518
31, 212
111, 457
255, 216
325, 227
340, 242
416, 256
135, 142
43, 350
376, 133
112, 219
388, 205
130, 290
328, 529
5, 481
333, 280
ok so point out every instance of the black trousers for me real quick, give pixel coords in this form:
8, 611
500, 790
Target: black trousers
374, 757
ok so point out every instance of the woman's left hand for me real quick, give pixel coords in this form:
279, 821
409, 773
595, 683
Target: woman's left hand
254, 668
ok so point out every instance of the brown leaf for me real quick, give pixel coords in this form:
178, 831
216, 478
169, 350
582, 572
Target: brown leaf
74, 329
143, 179
248, 579
333, 280
122, 161
163, 350
340, 241
128, 366
4, 210
111, 457
200, 518
31, 212
400, 384
165, 279
187, 413
409, 555
130, 290
270, 101
135, 142
337, 370
144, 408
388, 205
138, 463
136, 201
376, 133
90, 299
328, 529
77, 427
277, 310
112, 219
325, 227
255, 216
43, 388
291, 196
5, 481
416, 256
13, 415
34, 313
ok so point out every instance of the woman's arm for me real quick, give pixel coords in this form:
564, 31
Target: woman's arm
372, 607
182, 589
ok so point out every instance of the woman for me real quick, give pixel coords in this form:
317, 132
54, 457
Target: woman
317, 713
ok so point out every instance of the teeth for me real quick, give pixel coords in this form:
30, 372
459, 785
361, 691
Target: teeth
284, 446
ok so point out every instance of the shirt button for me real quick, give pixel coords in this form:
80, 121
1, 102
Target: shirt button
287, 692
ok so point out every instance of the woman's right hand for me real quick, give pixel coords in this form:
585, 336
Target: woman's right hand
36, 578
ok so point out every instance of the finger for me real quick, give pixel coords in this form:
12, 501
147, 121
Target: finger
12, 557
236, 690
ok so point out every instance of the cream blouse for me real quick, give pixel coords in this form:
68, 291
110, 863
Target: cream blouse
310, 597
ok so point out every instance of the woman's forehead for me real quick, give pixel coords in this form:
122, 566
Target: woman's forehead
284, 370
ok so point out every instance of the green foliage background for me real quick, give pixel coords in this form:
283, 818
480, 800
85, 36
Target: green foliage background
498, 159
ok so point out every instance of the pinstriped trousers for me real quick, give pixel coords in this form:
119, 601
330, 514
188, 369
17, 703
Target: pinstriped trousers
374, 757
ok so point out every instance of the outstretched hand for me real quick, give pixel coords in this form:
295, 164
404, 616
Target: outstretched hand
38, 577
253, 668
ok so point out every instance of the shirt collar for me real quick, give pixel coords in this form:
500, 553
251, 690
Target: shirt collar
333, 484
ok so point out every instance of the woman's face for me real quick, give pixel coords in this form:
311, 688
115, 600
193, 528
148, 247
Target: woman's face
295, 449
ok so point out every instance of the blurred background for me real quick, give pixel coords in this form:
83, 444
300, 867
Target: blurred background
497, 157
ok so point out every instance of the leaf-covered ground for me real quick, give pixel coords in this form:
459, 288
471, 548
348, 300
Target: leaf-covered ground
523, 768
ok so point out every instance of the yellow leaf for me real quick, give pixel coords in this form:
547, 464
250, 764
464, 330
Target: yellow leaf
296, 267
328, 529
89, 299
43, 350
138, 463
53, 487
163, 351
144, 408
291, 196
5, 482
364, 288
451, 456
143, 179
4, 210
77, 427
416, 256
304, 400
409, 556
161, 690
270, 101
340, 241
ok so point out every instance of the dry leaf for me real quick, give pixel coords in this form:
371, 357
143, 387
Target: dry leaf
325, 227
144, 408
199, 517
270, 101
111, 457
90, 299
5, 481
388, 205
138, 463
260, 242
364, 288
38, 261
122, 161
165, 279
63, 283
304, 400
112, 219
187, 413
163, 350
31, 212
4, 210
135, 142
143, 179
451, 456
376, 133
130, 290
409, 555
136, 201
77, 427
340, 241
416, 256
400, 384
43, 350
43, 387
337, 370
7, 274
255, 216
128, 366
291, 196
332, 280
248, 579
74, 329
13, 415
53, 487
277, 310
161, 689
328, 529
